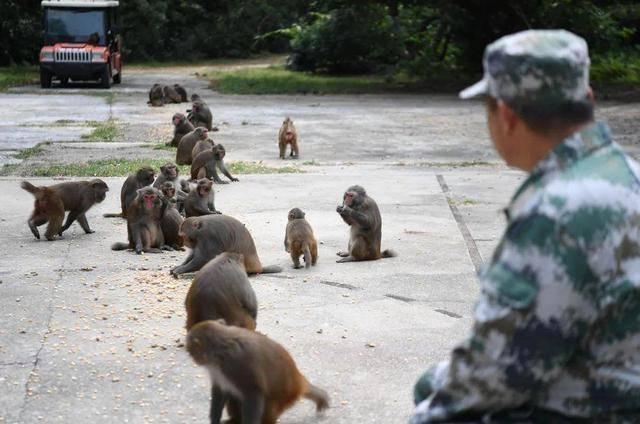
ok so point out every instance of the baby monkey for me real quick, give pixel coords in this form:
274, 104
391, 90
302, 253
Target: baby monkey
254, 376
299, 239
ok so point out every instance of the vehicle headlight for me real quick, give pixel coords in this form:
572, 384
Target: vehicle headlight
46, 56
97, 56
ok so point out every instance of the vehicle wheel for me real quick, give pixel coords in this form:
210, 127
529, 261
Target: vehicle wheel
117, 78
45, 78
105, 79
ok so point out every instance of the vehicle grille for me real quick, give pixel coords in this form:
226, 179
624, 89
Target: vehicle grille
72, 55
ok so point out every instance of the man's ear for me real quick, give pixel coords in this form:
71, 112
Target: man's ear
590, 95
507, 117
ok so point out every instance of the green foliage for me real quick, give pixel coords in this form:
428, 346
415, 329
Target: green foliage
276, 80
17, 75
119, 167
103, 131
617, 67
350, 40
20, 32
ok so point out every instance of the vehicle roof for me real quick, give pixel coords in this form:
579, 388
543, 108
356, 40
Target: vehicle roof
80, 3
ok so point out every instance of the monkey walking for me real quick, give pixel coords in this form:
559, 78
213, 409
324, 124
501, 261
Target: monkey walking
205, 164
253, 375
288, 136
361, 213
209, 235
51, 203
299, 239
221, 289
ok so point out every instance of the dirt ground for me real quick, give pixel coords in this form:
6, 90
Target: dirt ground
91, 335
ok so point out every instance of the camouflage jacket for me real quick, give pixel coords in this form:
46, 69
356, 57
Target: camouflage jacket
557, 326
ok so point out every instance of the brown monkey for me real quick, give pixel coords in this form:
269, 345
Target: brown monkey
208, 236
181, 91
143, 223
195, 97
201, 146
156, 96
142, 178
170, 172
170, 225
253, 375
200, 200
361, 213
170, 95
200, 114
204, 165
51, 203
175, 197
288, 135
187, 143
221, 289
182, 126
299, 239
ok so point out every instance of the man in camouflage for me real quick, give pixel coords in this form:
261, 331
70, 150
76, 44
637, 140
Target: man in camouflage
556, 335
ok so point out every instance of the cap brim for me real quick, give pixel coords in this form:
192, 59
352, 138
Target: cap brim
477, 89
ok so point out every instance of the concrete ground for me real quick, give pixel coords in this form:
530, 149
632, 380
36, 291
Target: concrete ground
92, 335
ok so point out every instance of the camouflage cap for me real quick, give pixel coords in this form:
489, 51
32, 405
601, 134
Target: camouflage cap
535, 67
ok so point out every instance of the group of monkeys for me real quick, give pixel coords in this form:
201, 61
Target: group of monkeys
252, 375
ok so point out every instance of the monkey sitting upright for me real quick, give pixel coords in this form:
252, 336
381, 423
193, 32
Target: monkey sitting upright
142, 178
175, 200
299, 239
181, 127
221, 289
51, 203
361, 213
187, 143
171, 95
200, 200
253, 375
144, 223
156, 96
288, 136
181, 91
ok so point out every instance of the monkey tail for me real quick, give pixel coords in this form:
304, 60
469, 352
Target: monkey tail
317, 395
113, 215
26, 185
307, 256
271, 269
389, 253
119, 246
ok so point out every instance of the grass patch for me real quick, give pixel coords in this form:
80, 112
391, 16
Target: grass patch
18, 75
277, 80
211, 62
103, 131
119, 167
30, 151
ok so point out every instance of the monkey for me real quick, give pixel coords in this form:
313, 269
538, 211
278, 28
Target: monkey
199, 201
195, 97
170, 95
299, 239
143, 223
51, 203
181, 91
200, 115
187, 143
175, 197
142, 178
170, 226
201, 146
205, 164
170, 172
156, 96
221, 289
288, 135
182, 126
361, 213
253, 375
208, 236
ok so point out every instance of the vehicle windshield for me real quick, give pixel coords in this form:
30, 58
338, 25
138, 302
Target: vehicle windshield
75, 26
